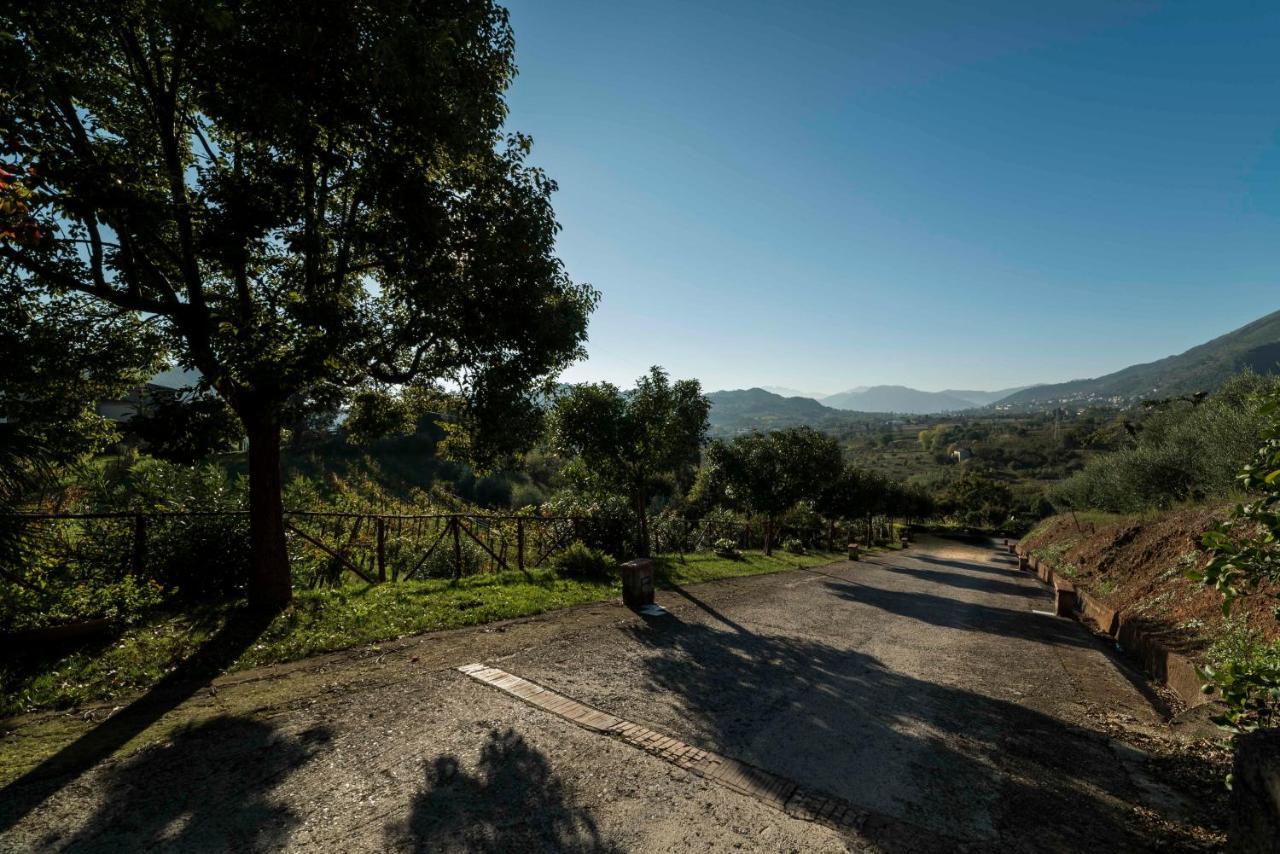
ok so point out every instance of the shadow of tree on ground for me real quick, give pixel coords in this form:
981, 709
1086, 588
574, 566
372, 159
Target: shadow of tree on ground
513, 802
943, 759
222, 650
997, 565
949, 613
968, 582
209, 789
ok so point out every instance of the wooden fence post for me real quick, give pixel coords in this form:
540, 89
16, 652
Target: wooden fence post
138, 560
457, 547
520, 544
382, 550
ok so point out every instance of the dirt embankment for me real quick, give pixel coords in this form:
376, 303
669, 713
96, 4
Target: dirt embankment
1138, 566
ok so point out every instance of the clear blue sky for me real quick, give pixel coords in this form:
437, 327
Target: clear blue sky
829, 194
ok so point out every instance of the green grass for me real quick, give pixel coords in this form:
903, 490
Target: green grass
327, 620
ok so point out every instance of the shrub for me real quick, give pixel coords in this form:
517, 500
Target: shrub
793, 545
1244, 668
726, 547
443, 562
123, 601
1182, 452
581, 561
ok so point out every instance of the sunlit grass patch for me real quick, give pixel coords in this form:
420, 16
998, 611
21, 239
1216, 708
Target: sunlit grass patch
328, 620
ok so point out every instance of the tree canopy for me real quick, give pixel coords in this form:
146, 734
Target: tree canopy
628, 442
767, 473
302, 202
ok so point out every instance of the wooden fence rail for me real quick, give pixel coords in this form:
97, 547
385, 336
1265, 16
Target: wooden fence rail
383, 547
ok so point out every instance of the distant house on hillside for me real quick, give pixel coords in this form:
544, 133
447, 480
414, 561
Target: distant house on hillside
961, 454
139, 400
122, 409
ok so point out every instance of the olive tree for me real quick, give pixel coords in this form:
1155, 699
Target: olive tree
304, 201
767, 473
628, 442
854, 493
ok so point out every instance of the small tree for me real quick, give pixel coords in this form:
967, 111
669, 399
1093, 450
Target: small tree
629, 441
978, 499
303, 200
767, 473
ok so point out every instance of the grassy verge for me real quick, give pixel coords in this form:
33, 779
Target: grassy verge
327, 620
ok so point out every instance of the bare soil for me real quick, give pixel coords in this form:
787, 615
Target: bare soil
1138, 567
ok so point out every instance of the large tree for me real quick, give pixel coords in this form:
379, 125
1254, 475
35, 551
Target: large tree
305, 200
628, 442
767, 473
854, 493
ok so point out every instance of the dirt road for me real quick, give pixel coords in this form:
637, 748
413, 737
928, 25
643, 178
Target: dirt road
922, 687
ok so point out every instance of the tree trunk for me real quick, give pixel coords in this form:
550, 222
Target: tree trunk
270, 583
643, 517
768, 536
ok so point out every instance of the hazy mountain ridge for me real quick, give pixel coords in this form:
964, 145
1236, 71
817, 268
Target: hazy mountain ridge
897, 398
742, 410
984, 398
783, 391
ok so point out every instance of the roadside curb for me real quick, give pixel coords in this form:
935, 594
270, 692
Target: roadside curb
1173, 669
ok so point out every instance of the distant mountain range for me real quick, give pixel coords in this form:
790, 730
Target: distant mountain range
742, 410
910, 401
783, 391
1203, 368
897, 398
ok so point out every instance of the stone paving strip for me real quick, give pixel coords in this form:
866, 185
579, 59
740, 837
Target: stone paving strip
778, 792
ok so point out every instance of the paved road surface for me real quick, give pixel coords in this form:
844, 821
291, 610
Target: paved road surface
923, 687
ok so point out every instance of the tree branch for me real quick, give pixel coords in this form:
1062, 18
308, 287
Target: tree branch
121, 299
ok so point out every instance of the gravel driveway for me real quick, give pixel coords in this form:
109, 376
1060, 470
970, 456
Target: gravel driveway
921, 686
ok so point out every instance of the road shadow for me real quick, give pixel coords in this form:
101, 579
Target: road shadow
965, 581
972, 566
942, 759
512, 802
707, 609
222, 650
208, 789
948, 613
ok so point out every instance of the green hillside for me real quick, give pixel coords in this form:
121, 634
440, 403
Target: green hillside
1204, 368
744, 410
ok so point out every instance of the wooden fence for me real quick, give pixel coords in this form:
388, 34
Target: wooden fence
374, 547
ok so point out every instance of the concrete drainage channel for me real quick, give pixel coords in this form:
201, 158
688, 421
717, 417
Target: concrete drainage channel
1174, 670
776, 791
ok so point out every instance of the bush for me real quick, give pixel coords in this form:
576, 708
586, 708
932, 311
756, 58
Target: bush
1244, 668
443, 562
123, 601
793, 545
581, 561
1182, 452
725, 547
